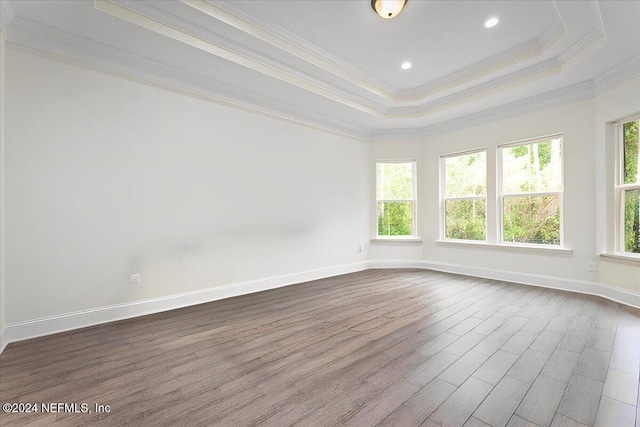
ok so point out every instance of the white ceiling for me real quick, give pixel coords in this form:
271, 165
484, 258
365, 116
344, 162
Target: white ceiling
336, 64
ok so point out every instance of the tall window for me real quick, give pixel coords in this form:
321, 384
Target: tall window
530, 191
628, 189
396, 197
464, 196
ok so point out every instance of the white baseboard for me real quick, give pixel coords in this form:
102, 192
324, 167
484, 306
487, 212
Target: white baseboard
3, 340
613, 293
81, 319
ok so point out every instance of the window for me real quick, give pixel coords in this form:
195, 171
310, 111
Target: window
396, 197
530, 191
628, 189
464, 196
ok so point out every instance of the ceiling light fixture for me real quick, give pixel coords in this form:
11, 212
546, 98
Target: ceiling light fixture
406, 65
388, 9
491, 22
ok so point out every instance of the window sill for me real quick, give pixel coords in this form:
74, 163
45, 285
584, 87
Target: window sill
625, 259
397, 239
507, 247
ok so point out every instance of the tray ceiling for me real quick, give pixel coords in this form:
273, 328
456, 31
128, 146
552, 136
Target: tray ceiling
336, 65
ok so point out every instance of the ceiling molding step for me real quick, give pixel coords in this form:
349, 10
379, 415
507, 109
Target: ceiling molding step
239, 17
553, 98
582, 48
528, 74
133, 17
54, 41
161, 15
281, 39
618, 75
506, 59
593, 40
6, 15
597, 15
298, 42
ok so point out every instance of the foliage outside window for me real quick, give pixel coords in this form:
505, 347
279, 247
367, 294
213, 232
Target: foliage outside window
628, 189
531, 192
464, 198
395, 198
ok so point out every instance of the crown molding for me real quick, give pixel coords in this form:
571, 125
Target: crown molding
6, 15
234, 15
552, 98
533, 72
617, 75
143, 21
45, 38
511, 57
174, 21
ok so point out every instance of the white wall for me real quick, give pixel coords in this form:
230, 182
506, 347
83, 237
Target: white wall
616, 104
108, 176
585, 169
2, 188
574, 122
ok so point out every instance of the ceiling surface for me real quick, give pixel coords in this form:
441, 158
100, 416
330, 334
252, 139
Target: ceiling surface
337, 65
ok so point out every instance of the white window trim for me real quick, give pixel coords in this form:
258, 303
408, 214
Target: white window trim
500, 196
444, 198
619, 191
414, 188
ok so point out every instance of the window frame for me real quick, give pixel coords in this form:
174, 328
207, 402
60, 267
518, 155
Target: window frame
620, 188
413, 200
500, 195
444, 198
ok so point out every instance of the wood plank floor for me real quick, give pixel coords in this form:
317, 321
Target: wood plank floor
380, 347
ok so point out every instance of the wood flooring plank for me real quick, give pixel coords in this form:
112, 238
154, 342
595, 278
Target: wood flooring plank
474, 422
562, 421
541, 401
496, 367
561, 365
457, 409
602, 339
516, 421
489, 325
424, 373
547, 341
422, 404
520, 342
581, 399
528, 366
593, 364
463, 368
492, 342
574, 341
612, 412
622, 386
464, 343
496, 410
379, 407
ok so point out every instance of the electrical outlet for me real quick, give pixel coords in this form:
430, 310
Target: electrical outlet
360, 249
591, 266
135, 278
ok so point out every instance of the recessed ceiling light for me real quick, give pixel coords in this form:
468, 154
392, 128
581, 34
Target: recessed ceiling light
491, 22
406, 65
